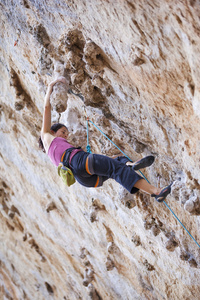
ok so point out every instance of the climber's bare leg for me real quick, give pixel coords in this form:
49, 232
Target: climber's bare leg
143, 185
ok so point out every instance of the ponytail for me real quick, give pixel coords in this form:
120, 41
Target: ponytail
41, 146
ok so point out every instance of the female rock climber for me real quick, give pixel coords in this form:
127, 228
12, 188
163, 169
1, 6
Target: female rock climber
91, 170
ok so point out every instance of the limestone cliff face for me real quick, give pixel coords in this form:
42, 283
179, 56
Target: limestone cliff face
137, 65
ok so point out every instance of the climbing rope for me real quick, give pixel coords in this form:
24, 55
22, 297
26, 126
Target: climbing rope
70, 91
115, 146
89, 150
181, 223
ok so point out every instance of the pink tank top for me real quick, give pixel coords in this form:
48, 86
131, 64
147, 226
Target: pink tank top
58, 147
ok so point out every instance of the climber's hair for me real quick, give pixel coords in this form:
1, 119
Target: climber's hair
55, 127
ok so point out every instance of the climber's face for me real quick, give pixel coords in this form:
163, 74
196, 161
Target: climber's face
62, 132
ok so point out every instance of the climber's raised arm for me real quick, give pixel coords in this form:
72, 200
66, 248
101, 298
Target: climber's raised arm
46, 124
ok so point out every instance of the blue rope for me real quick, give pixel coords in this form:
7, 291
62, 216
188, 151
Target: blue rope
181, 223
88, 145
116, 147
139, 171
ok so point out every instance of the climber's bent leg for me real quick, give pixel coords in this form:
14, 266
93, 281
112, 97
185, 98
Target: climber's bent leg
79, 166
113, 168
91, 170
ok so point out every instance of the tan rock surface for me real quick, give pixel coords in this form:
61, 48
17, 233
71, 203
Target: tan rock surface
137, 65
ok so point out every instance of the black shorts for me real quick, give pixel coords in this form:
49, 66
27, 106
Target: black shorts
91, 170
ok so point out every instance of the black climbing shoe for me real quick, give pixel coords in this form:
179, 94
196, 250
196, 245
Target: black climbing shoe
163, 194
143, 163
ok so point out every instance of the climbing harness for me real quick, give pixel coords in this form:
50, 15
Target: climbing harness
89, 150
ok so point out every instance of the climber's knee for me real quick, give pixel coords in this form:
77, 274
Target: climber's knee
89, 164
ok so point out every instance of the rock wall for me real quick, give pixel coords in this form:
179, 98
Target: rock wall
136, 64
